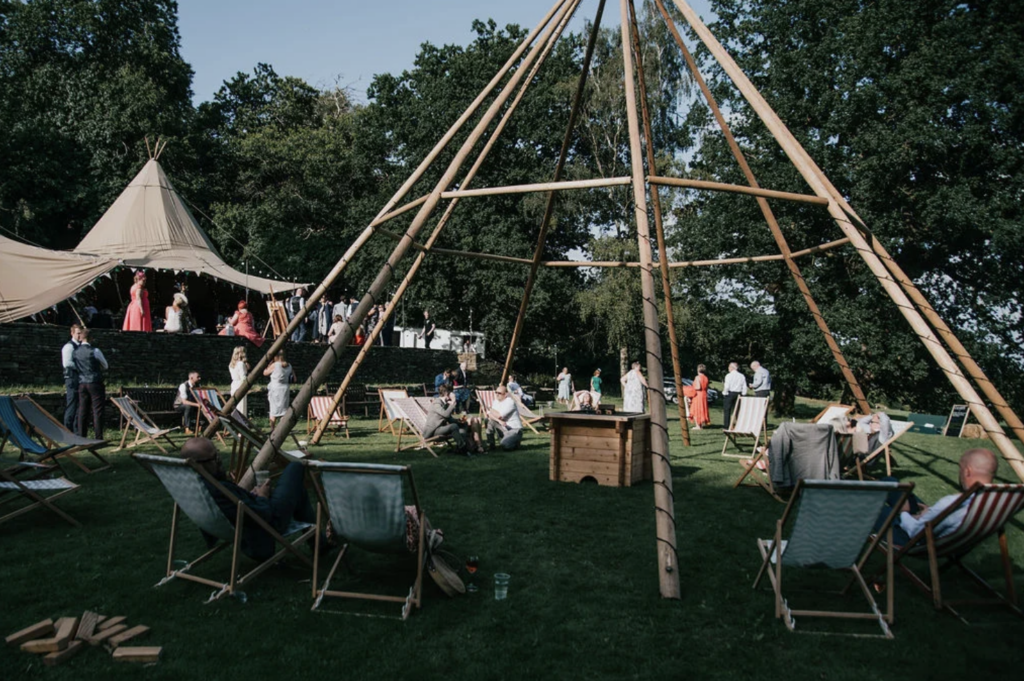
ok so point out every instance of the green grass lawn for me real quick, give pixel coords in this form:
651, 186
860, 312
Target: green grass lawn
583, 601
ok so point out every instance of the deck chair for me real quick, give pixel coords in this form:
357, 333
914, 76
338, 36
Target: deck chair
186, 483
13, 430
24, 482
758, 467
749, 420
145, 430
388, 411
316, 412
63, 443
860, 464
209, 406
831, 527
246, 437
833, 411
366, 506
486, 399
527, 416
414, 423
990, 508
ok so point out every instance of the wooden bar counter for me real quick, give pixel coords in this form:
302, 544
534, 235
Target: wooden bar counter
612, 449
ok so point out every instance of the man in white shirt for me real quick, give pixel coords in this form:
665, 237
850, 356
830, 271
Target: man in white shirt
90, 365
503, 417
976, 466
762, 385
735, 384
67, 362
185, 401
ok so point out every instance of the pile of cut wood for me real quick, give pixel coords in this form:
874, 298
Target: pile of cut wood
64, 638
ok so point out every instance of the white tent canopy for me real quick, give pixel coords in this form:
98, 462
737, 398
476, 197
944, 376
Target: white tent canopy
32, 279
150, 226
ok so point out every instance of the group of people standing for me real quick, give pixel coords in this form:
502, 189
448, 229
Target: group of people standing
325, 320
84, 389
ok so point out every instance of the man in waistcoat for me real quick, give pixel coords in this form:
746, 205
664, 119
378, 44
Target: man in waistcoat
90, 364
67, 362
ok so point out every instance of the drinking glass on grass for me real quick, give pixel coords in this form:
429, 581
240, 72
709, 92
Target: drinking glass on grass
472, 564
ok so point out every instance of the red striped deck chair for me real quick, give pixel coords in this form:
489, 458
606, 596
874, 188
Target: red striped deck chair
749, 420
316, 413
388, 411
990, 508
486, 399
208, 403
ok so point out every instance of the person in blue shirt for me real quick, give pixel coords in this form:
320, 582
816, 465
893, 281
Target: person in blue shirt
444, 378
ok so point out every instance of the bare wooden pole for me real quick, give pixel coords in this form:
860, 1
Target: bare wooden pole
665, 519
256, 372
554, 186
424, 249
659, 228
769, 216
737, 189
287, 422
814, 177
538, 253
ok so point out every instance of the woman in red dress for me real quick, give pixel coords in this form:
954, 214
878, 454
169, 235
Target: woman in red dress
137, 317
244, 324
699, 404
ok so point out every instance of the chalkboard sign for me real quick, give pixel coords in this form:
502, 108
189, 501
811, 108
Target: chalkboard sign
957, 420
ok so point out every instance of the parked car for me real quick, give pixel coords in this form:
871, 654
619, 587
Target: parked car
670, 390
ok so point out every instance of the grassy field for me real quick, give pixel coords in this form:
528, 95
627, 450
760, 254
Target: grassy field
583, 601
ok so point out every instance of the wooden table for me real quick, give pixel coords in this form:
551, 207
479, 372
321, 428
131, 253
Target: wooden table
614, 450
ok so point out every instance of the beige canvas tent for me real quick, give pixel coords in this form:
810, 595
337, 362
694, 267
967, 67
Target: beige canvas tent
32, 279
150, 226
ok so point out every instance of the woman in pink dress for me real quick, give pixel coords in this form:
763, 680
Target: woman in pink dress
699, 404
244, 324
137, 317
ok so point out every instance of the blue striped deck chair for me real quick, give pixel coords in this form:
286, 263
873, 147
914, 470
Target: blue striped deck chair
186, 482
13, 431
366, 505
833, 528
63, 443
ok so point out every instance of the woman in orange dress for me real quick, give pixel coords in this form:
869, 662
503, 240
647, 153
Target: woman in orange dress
244, 325
137, 317
699, 404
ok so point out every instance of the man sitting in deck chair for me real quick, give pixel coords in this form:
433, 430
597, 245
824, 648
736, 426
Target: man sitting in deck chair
279, 507
441, 424
185, 402
503, 417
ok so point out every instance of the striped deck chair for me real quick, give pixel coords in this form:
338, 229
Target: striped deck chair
246, 437
63, 443
486, 399
860, 464
527, 416
317, 412
137, 420
388, 411
750, 419
13, 431
990, 508
208, 403
366, 504
415, 422
32, 490
830, 529
187, 483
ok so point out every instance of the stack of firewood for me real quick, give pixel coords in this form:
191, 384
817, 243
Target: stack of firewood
64, 638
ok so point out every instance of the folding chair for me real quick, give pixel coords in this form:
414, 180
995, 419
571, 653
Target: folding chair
834, 522
366, 505
990, 508
387, 409
136, 419
63, 443
833, 411
758, 468
415, 421
750, 419
187, 482
861, 463
208, 404
316, 413
13, 431
34, 490
528, 417
486, 399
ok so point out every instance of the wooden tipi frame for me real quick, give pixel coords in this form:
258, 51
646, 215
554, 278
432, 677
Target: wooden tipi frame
516, 75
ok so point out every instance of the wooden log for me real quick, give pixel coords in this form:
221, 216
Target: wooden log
102, 635
116, 641
110, 621
55, 658
66, 628
44, 645
38, 630
137, 654
87, 625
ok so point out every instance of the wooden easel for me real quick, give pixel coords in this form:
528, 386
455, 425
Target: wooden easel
278, 319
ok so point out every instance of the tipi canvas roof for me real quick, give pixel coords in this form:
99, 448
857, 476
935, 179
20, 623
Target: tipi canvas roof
150, 226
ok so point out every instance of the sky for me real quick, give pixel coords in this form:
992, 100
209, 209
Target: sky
343, 42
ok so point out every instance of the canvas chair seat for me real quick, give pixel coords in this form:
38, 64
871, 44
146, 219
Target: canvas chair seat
749, 420
316, 413
990, 508
35, 492
366, 505
389, 413
832, 412
13, 431
137, 420
186, 483
529, 417
859, 464
415, 422
63, 443
832, 522
485, 398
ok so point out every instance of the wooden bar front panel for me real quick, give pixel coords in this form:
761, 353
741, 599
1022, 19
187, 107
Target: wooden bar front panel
612, 450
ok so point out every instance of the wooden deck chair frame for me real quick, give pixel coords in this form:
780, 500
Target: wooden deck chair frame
243, 514
745, 414
773, 552
336, 422
13, 430
413, 423
387, 411
527, 415
32, 490
860, 465
414, 598
989, 511
756, 468
49, 429
135, 418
